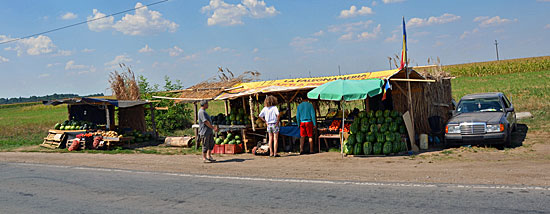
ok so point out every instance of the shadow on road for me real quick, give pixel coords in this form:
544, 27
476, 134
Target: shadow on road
519, 135
236, 160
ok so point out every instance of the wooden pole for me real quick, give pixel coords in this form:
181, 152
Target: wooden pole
108, 126
251, 114
196, 130
153, 121
226, 107
413, 140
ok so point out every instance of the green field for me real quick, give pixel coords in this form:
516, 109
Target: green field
27, 124
22, 125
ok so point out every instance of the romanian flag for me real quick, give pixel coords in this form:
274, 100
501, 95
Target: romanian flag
404, 51
387, 87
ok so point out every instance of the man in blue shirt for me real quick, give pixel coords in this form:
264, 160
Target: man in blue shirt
305, 116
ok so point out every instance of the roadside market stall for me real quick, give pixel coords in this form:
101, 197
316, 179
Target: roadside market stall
93, 117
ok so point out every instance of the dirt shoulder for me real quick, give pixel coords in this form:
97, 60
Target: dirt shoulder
526, 165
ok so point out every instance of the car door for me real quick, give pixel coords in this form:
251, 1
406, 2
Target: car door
510, 116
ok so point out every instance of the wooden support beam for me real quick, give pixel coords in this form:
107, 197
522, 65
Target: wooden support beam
160, 108
153, 122
251, 114
411, 80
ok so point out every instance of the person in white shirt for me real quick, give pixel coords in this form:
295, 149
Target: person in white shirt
270, 115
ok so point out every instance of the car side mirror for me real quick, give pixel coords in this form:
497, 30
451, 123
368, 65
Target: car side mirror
511, 109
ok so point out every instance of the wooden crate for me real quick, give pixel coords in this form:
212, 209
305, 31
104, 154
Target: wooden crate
233, 149
54, 140
219, 149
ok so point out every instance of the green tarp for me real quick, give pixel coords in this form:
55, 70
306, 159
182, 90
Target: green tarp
347, 90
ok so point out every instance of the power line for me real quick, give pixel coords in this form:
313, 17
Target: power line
83, 22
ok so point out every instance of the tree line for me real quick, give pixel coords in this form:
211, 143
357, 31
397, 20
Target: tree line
42, 98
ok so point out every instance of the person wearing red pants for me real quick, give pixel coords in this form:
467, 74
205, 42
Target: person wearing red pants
305, 116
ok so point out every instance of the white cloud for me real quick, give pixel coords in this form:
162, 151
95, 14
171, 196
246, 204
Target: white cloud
218, 49
255, 50
370, 35
100, 24
124, 58
68, 16
142, 22
258, 58
349, 27
347, 36
189, 57
374, 3
547, 26
421, 33
392, 1
145, 49
543, 0
222, 13
319, 33
438, 44
175, 51
432, 20
258, 9
393, 38
469, 33
63, 53
31, 46
53, 64
3, 59
485, 21
70, 65
303, 44
352, 12
86, 50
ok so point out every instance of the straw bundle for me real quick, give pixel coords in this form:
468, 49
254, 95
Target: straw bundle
123, 84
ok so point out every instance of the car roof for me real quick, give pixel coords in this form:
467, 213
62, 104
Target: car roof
483, 95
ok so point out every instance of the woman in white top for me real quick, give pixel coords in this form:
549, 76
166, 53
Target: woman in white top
270, 115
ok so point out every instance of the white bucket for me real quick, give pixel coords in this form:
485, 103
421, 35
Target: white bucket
423, 141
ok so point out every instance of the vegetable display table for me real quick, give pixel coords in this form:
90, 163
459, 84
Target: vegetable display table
325, 137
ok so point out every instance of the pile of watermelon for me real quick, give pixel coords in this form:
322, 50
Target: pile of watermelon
376, 133
75, 125
230, 138
237, 117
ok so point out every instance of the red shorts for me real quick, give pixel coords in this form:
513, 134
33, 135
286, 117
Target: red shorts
306, 129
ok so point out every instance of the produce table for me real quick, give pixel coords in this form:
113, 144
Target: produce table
225, 128
325, 137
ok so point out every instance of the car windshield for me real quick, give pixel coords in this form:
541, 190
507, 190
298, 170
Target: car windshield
479, 105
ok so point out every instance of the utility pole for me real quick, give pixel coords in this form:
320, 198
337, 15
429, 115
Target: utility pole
389, 61
339, 74
496, 47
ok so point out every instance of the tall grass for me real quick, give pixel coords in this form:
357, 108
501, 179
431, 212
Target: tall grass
480, 69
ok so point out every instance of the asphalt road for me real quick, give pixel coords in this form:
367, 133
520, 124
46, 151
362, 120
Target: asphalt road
33, 188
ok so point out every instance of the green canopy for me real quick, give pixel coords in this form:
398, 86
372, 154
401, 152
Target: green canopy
347, 90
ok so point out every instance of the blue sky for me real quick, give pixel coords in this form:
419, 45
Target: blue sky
188, 40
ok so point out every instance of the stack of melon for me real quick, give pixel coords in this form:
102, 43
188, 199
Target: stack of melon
376, 133
228, 139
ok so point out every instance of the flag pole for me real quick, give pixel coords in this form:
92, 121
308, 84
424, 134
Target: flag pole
404, 57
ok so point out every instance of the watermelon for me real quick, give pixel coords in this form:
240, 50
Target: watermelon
232, 142
377, 148
380, 138
226, 141
379, 113
380, 120
373, 128
370, 114
229, 136
219, 141
396, 147
57, 126
363, 114
352, 139
389, 137
237, 137
371, 137
238, 142
354, 128
393, 126
345, 147
365, 126
349, 148
403, 146
384, 128
367, 148
62, 127
359, 137
387, 148
387, 113
358, 149
394, 114
372, 120
388, 120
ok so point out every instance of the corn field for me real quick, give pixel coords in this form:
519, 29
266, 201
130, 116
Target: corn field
499, 67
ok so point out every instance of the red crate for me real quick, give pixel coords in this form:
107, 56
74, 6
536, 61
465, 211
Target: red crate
233, 149
218, 149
